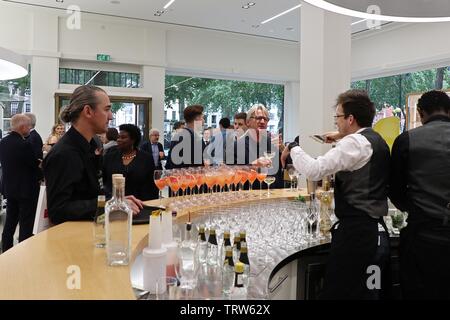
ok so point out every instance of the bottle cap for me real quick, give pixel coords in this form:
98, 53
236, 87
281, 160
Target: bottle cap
242, 234
119, 181
188, 226
201, 228
212, 231
237, 238
239, 267
156, 213
115, 175
226, 234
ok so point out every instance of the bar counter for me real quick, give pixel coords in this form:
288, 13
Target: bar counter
45, 265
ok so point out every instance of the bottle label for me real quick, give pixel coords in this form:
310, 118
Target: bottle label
239, 280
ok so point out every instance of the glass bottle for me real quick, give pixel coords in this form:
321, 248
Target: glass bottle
202, 245
325, 209
188, 265
213, 248
118, 218
242, 236
228, 271
99, 223
236, 247
226, 243
239, 290
243, 257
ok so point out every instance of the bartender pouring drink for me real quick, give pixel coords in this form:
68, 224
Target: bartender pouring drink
359, 256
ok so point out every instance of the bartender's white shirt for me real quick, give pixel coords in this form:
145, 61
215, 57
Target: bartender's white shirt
351, 153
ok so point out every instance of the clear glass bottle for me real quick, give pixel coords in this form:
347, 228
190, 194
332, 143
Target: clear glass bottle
188, 264
202, 245
326, 199
213, 248
228, 271
99, 223
118, 218
225, 244
239, 290
243, 257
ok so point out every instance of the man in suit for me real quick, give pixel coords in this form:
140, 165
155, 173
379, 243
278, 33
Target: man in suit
154, 148
20, 181
35, 140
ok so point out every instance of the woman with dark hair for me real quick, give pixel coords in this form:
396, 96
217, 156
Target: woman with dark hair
136, 166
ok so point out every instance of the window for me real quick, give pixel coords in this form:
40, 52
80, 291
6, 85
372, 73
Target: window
165, 114
102, 78
174, 115
27, 107
14, 108
213, 119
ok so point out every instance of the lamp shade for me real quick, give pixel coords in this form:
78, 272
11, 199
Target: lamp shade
12, 65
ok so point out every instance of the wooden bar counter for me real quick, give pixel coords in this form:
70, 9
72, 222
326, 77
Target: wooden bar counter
42, 266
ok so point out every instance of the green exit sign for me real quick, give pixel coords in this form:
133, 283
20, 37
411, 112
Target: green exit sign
103, 57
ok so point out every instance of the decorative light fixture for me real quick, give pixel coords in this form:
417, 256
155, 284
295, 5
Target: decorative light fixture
280, 14
388, 10
248, 5
12, 65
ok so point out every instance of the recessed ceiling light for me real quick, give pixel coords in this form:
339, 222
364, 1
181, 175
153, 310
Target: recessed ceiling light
246, 6
157, 14
251, 4
160, 12
280, 14
168, 4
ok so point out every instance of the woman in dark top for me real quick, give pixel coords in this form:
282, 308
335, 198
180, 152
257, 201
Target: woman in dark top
136, 166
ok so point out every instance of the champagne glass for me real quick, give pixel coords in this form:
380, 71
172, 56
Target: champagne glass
261, 176
269, 180
160, 182
269, 155
292, 173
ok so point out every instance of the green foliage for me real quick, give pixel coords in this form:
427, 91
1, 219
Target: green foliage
228, 96
116, 106
394, 89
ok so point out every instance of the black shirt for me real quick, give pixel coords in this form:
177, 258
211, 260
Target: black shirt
70, 173
138, 174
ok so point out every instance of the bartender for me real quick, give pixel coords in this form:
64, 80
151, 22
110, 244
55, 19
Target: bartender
359, 255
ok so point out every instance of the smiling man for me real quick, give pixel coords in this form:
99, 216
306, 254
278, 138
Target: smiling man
70, 168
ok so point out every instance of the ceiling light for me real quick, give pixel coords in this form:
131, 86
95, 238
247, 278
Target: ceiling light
280, 14
251, 4
157, 14
364, 15
12, 65
60, 1
169, 4
246, 6
115, 2
359, 21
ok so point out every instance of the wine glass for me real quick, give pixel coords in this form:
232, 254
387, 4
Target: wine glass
292, 172
269, 180
261, 174
160, 181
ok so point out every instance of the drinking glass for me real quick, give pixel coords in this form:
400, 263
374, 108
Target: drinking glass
160, 182
292, 173
166, 288
269, 180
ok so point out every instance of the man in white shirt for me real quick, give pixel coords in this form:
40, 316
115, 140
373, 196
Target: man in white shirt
360, 161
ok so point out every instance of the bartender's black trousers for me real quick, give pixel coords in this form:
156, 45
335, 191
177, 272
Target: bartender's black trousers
359, 262
425, 262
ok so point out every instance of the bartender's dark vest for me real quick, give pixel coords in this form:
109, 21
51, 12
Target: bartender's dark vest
429, 170
363, 192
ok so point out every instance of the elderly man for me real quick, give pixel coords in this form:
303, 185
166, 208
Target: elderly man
20, 180
155, 148
258, 142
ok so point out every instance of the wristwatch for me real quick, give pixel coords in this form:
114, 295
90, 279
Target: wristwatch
292, 145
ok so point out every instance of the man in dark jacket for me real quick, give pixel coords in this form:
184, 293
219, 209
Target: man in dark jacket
155, 148
420, 185
20, 182
34, 138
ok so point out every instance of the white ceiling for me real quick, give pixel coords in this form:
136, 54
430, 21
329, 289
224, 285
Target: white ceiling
224, 15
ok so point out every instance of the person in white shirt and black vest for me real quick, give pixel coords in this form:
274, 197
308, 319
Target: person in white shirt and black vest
358, 265
420, 185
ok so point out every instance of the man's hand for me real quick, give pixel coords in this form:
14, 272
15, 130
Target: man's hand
161, 155
331, 137
135, 204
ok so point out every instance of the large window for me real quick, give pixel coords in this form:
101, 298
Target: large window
15, 97
221, 98
100, 78
389, 93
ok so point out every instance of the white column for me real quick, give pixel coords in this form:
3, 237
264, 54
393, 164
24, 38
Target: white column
154, 83
291, 110
325, 54
44, 70
44, 83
